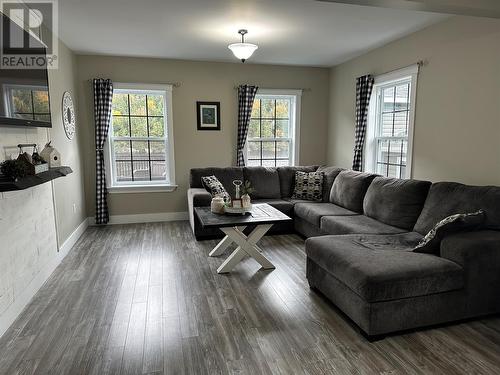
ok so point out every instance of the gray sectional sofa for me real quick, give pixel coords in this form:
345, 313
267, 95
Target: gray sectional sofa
360, 240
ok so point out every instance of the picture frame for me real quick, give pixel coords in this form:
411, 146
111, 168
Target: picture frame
208, 115
237, 203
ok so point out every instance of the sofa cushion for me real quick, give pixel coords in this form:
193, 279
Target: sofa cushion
330, 173
308, 186
287, 178
295, 201
265, 182
396, 201
359, 224
280, 204
478, 252
313, 212
349, 189
449, 198
225, 175
452, 224
382, 268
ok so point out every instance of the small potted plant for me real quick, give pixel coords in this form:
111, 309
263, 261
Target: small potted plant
246, 189
14, 169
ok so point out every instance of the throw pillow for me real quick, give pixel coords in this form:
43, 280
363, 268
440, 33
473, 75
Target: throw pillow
214, 187
449, 225
308, 186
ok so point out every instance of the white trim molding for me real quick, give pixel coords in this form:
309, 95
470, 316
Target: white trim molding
10, 315
144, 218
166, 185
295, 115
73, 238
409, 73
142, 189
397, 75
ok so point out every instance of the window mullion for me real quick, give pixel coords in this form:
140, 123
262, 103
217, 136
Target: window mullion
269, 139
405, 138
130, 141
149, 143
274, 133
394, 111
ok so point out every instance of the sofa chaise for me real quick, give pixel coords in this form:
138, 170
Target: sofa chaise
360, 241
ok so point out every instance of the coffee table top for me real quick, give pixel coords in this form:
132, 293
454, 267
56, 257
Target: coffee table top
262, 213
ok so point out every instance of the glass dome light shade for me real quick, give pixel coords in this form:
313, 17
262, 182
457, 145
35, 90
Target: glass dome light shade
242, 51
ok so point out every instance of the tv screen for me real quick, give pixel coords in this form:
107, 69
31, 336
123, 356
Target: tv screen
24, 91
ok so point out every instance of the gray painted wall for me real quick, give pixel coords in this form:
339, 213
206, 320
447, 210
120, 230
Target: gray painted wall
457, 119
203, 81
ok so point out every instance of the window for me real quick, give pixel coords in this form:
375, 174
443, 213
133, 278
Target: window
272, 136
28, 102
140, 137
390, 124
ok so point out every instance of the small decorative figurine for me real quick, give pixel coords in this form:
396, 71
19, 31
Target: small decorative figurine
51, 155
246, 189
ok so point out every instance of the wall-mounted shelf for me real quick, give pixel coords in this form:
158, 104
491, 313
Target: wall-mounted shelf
29, 181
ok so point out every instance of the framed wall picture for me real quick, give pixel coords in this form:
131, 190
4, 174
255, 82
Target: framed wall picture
208, 114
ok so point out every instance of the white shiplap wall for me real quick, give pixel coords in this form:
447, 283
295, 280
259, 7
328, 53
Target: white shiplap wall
28, 242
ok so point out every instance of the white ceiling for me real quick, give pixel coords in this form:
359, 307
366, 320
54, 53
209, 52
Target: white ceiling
296, 32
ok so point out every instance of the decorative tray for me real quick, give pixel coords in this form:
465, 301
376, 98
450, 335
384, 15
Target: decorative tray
237, 211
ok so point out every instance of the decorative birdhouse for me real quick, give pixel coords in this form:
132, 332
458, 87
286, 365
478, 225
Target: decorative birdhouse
51, 156
32, 164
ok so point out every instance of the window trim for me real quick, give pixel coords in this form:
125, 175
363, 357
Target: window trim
9, 87
142, 186
294, 115
370, 148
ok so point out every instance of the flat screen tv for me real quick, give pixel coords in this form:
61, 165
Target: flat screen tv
24, 92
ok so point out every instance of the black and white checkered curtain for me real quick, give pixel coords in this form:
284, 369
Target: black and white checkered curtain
246, 95
103, 96
364, 86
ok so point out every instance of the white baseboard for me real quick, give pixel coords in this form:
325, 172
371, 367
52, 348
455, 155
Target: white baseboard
144, 218
73, 237
21, 301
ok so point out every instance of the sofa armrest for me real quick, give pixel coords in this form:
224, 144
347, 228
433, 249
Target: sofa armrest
479, 255
463, 248
197, 197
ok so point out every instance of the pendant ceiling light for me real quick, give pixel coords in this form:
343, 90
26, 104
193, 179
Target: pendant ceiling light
242, 50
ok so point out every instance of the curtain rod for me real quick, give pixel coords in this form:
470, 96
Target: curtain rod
288, 88
173, 84
419, 63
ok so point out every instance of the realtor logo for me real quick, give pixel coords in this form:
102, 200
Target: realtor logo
28, 34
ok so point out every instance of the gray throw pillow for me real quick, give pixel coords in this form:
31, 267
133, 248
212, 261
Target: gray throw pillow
452, 224
308, 186
214, 187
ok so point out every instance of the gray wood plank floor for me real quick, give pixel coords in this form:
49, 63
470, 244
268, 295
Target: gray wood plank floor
146, 299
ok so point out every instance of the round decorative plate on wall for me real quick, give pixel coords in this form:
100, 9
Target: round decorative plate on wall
68, 115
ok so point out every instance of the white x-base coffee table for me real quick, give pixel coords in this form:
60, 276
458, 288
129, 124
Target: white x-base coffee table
263, 216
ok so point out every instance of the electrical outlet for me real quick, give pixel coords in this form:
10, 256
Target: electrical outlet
74, 208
